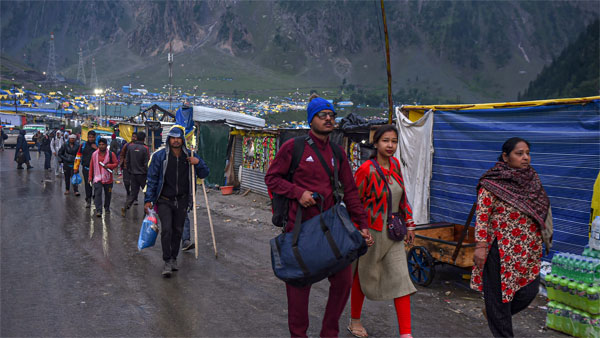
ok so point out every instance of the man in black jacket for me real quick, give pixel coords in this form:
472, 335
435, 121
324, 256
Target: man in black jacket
85, 153
68, 153
45, 148
136, 162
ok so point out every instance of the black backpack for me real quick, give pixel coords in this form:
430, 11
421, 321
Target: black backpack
279, 202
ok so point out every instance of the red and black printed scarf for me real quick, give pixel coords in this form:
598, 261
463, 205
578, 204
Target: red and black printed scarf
520, 188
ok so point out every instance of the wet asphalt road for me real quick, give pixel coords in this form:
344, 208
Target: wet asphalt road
66, 273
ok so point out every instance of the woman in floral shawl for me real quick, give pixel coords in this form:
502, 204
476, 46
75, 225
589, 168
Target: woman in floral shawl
513, 216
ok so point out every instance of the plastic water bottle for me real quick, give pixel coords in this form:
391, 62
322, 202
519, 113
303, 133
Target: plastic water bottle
568, 320
581, 299
549, 279
564, 289
595, 323
550, 315
586, 325
595, 235
593, 299
571, 297
559, 319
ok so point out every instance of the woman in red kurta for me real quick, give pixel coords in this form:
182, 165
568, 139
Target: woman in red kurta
512, 212
382, 273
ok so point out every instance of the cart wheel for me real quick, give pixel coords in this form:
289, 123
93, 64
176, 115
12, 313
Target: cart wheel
420, 266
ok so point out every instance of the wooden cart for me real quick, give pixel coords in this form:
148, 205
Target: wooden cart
439, 243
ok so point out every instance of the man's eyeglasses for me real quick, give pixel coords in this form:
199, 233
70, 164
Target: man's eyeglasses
323, 114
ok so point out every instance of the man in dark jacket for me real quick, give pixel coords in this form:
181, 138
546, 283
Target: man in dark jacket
170, 187
310, 176
85, 154
123, 165
136, 160
68, 153
22, 151
45, 148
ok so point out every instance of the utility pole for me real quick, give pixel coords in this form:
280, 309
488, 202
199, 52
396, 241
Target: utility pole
170, 60
389, 70
51, 70
80, 71
94, 77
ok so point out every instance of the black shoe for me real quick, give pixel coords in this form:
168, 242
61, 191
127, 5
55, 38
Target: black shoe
167, 270
98, 214
135, 202
88, 204
20, 167
107, 211
173, 264
187, 245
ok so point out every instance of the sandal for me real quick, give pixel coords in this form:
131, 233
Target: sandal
357, 332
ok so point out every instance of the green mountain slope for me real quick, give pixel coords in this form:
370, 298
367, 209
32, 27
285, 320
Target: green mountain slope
574, 73
466, 51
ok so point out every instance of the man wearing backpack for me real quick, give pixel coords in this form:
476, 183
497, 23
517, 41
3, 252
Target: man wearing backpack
85, 156
308, 177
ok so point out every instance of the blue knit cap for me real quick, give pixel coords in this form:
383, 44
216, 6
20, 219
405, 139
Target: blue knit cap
315, 106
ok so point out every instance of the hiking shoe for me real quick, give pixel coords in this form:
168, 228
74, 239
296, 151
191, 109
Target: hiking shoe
187, 245
173, 264
167, 270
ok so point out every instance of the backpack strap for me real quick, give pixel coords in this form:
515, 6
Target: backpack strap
333, 177
296, 155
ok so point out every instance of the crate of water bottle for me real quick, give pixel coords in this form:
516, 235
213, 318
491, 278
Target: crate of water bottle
563, 318
577, 267
591, 252
577, 294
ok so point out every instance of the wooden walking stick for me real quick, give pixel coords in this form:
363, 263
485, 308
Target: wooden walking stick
194, 207
212, 231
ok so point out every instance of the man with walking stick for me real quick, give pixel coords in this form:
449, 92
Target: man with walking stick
170, 186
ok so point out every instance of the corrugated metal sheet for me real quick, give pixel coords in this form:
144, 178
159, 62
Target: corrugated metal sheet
254, 180
205, 114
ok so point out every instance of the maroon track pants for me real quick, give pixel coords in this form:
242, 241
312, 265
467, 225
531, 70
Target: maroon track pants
339, 291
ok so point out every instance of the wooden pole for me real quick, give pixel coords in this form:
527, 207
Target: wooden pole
389, 69
212, 231
194, 208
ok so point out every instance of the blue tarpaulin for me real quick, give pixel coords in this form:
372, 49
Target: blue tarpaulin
565, 151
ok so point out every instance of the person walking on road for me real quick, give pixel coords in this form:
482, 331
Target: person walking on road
55, 145
45, 148
3, 137
22, 151
382, 273
310, 176
513, 220
68, 154
186, 241
85, 155
137, 166
115, 145
170, 187
123, 165
101, 176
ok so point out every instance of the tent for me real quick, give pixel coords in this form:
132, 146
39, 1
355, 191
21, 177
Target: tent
565, 147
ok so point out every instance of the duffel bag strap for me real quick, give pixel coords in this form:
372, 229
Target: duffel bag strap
296, 234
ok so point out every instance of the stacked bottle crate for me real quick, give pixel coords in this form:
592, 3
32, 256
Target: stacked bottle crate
574, 291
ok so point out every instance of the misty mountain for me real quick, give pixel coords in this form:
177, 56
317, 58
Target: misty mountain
466, 50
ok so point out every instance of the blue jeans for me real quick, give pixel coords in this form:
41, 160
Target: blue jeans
186, 229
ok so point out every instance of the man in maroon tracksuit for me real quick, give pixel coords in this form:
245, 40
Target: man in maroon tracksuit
309, 177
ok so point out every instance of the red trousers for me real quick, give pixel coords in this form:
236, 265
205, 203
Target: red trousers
402, 305
339, 291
